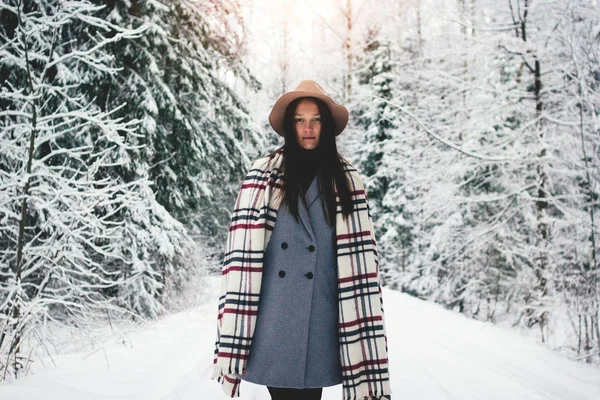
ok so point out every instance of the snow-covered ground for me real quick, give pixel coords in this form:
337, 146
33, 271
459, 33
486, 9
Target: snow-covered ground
435, 354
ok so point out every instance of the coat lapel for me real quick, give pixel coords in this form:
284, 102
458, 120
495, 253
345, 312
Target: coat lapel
313, 192
311, 195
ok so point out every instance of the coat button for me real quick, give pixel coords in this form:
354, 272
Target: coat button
282, 273
309, 275
284, 245
311, 248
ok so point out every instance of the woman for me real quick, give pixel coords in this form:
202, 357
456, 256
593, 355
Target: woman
301, 305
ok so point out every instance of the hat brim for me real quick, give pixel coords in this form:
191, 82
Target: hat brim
339, 112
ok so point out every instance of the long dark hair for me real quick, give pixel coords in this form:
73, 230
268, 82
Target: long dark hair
330, 165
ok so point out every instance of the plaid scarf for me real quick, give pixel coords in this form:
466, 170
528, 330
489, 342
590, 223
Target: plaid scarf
363, 340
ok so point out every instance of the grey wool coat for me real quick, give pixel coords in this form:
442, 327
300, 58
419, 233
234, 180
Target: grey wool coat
296, 340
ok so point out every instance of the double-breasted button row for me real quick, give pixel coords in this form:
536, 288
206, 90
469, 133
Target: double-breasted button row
310, 248
309, 275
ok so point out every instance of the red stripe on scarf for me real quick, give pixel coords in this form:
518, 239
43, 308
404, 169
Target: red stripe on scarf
234, 311
247, 226
240, 268
231, 355
353, 235
358, 277
254, 185
360, 321
382, 361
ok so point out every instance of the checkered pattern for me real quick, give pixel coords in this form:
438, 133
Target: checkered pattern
363, 340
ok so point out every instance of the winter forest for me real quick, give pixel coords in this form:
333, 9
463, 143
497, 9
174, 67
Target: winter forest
126, 127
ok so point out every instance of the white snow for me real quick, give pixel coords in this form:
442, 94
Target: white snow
435, 354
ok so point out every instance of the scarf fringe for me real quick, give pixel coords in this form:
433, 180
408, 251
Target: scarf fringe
229, 380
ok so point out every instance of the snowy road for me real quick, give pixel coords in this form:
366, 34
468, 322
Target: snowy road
434, 355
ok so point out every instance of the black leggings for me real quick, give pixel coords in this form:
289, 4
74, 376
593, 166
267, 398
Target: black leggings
295, 394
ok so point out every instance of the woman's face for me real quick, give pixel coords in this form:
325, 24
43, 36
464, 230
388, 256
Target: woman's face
307, 123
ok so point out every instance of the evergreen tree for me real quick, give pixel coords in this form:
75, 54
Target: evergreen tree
195, 131
494, 174
383, 159
71, 231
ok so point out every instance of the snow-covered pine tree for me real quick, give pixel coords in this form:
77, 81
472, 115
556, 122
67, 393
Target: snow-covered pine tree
385, 151
177, 79
573, 107
557, 165
371, 114
469, 105
506, 188
73, 233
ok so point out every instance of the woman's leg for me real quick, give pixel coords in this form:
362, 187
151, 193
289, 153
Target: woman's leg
295, 394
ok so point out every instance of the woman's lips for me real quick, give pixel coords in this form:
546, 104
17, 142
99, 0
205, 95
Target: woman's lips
309, 137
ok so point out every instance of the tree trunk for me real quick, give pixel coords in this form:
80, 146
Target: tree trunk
348, 50
419, 29
15, 306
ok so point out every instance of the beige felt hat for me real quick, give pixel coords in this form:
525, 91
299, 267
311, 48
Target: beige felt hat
307, 88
